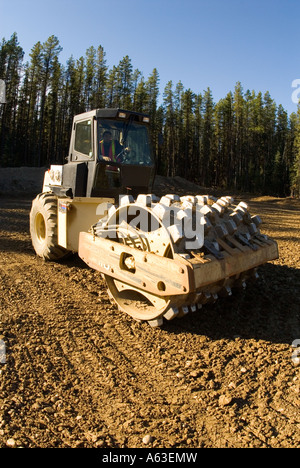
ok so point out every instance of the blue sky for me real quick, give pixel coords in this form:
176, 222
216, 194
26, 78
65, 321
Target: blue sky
202, 43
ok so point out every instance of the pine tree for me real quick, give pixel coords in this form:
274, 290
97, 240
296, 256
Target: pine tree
295, 167
207, 157
255, 138
225, 173
238, 157
11, 58
188, 159
140, 97
32, 93
152, 88
50, 51
74, 82
112, 88
169, 130
99, 98
23, 123
198, 133
269, 122
281, 171
125, 83
137, 76
55, 119
89, 86
179, 131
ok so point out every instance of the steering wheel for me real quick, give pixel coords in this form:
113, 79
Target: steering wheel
124, 153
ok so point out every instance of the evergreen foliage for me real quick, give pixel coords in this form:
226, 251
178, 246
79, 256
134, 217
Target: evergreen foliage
244, 142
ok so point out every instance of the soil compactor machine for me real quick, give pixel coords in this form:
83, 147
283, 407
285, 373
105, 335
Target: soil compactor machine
161, 257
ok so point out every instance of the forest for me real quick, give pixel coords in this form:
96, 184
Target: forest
245, 141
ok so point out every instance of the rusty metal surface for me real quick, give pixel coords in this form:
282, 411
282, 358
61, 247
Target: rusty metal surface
159, 275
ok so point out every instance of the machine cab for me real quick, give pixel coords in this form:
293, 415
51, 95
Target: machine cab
110, 153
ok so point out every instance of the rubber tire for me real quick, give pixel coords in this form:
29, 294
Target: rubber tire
43, 228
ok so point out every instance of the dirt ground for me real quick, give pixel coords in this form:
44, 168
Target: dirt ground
78, 373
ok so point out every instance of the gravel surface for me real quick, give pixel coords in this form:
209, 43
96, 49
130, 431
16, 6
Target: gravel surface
78, 373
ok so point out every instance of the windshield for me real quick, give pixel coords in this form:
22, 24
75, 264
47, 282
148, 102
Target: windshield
124, 142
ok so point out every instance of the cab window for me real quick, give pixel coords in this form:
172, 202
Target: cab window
129, 136
83, 138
